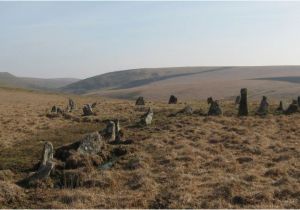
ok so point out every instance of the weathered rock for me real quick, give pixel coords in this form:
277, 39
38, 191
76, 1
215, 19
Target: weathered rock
173, 100
112, 132
47, 153
243, 107
263, 107
146, 119
237, 100
87, 110
293, 108
45, 167
140, 101
280, 107
71, 105
214, 108
91, 144
54, 109
94, 105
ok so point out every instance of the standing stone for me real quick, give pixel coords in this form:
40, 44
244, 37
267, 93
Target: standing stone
72, 105
117, 131
47, 153
147, 118
110, 131
264, 107
140, 101
87, 110
46, 165
243, 107
54, 109
293, 107
237, 100
280, 107
214, 108
298, 100
173, 100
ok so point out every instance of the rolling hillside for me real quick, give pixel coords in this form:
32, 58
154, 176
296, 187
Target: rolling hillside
192, 82
9, 80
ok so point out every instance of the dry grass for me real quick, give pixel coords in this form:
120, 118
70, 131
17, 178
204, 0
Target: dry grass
177, 162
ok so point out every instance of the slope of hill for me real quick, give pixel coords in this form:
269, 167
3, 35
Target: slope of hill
9, 80
192, 82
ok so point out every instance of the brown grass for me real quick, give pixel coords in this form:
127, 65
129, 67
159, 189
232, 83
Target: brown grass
178, 162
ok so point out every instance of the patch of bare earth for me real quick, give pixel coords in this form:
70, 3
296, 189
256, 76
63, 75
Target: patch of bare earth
181, 161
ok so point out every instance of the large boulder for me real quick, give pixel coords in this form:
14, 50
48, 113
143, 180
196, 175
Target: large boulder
243, 107
140, 101
214, 109
263, 107
173, 99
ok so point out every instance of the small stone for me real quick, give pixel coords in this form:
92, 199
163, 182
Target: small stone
173, 100
264, 107
140, 101
146, 119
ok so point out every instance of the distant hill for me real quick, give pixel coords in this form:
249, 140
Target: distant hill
9, 80
192, 82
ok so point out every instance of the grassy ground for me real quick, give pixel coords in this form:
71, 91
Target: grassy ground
183, 161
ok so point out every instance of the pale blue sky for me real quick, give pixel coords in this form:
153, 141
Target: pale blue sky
83, 39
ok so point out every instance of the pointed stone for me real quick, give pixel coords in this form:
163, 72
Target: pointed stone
263, 107
140, 101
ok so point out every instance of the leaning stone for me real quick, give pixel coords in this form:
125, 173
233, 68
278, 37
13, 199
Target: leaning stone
173, 100
140, 101
214, 109
243, 107
87, 110
293, 107
146, 119
264, 107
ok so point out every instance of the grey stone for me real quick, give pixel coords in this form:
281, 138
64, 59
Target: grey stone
47, 153
293, 107
90, 144
243, 107
173, 99
71, 105
263, 107
146, 119
187, 110
140, 101
214, 109
237, 100
87, 110
280, 107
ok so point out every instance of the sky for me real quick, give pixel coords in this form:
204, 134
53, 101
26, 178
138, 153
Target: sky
84, 39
